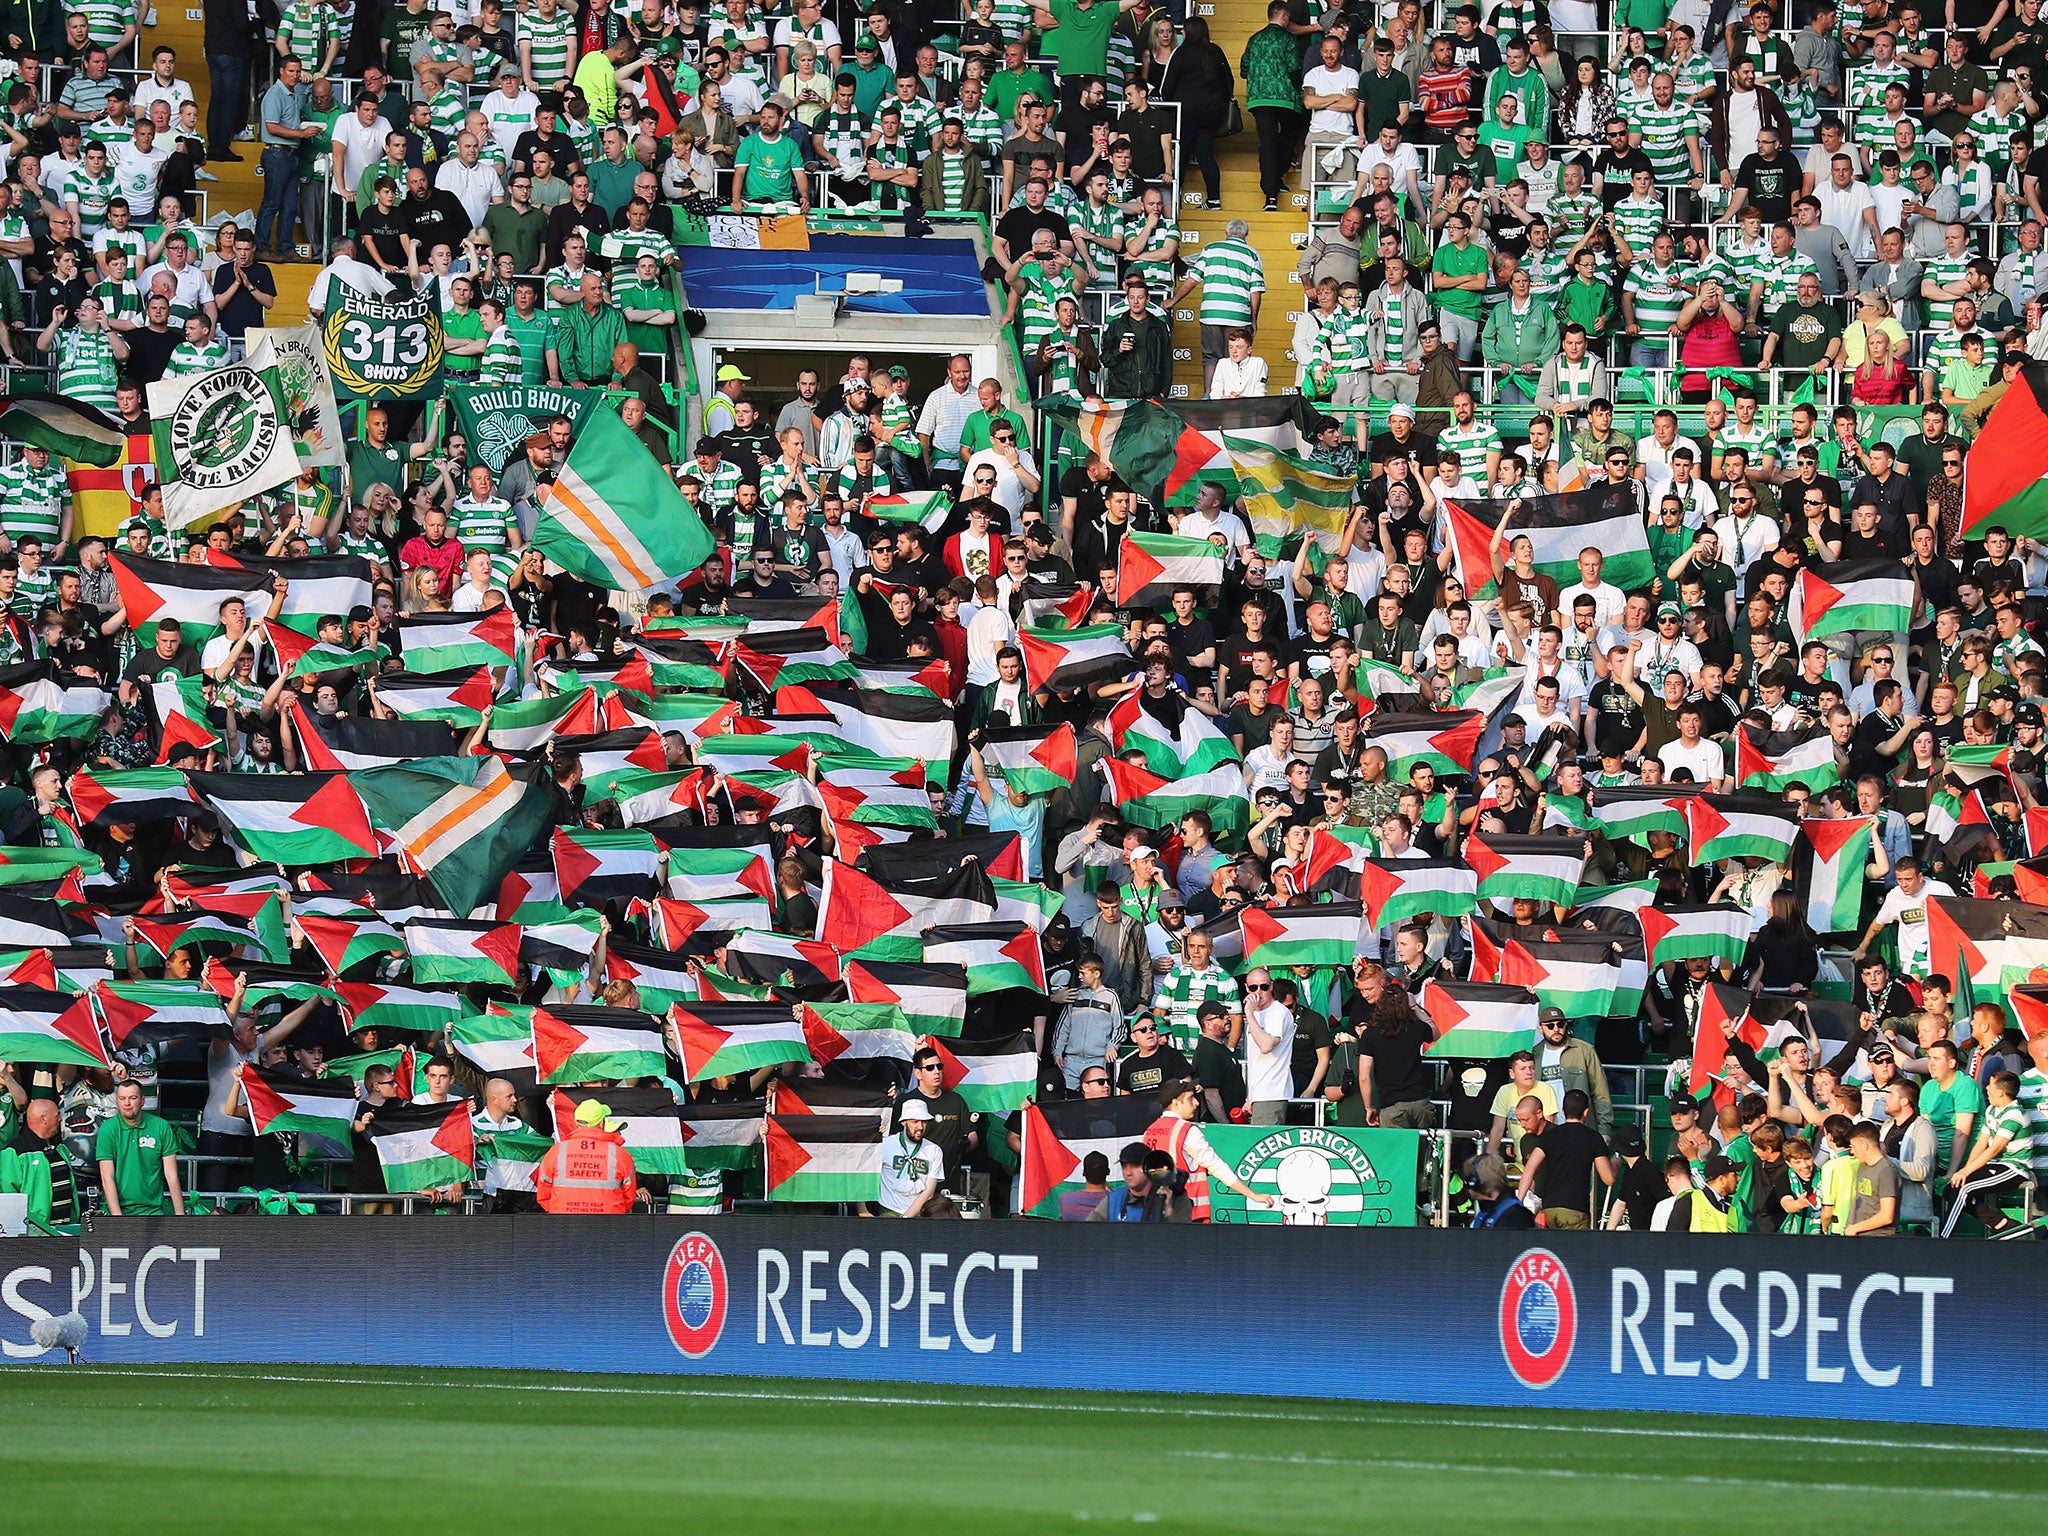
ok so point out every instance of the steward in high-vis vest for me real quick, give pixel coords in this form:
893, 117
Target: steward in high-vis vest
1176, 1134
589, 1172
1712, 1207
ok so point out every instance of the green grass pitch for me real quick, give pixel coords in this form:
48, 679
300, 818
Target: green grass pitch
251, 1450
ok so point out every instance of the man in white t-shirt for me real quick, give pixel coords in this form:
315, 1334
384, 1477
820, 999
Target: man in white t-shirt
1702, 758
1607, 598
510, 109
1906, 905
1330, 93
1268, 1050
913, 1169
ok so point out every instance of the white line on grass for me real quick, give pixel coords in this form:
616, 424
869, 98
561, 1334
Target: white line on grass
1772, 1484
1032, 1405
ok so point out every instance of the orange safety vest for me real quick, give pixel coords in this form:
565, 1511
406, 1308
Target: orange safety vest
589, 1174
1169, 1134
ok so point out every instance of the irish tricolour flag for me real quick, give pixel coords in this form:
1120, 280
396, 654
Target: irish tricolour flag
1478, 1019
424, 1146
1853, 594
823, 1157
614, 518
323, 1106
1316, 935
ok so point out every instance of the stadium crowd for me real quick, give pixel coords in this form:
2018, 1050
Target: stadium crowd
1516, 222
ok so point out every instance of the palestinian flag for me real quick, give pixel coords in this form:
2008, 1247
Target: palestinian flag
457, 698
614, 518
463, 822
450, 950
1031, 759
105, 797
166, 934
1827, 867
716, 874
424, 1146
1987, 946
156, 1012
2028, 1005
932, 997
661, 976
301, 656
399, 1058
559, 940
345, 942
674, 662
1739, 826
26, 866
1058, 1136
1194, 748
1772, 760
319, 587
993, 1076
1150, 566
928, 860
726, 1039
498, 1044
1631, 812
857, 1031
35, 708
1329, 866
673, 924
1026, 902
924, 509
2004, 472
1391, 891
578, 1043
1684, 933
153, 590
1630, 897
1065, 660
1446, 741
857, 910
450, 642
809, 1096
397, 896
1325, 935
1583, 977
886, 724
913, 674
389, 1005
822, 1157
68, 428
267, 983
595, 867
508, 1160
793, 656
1479, 1021
1854, 594
280, 1101
296, 818
609, 757
1286, 496
652, 1126
886, 792
780, 961
349, 743
180, 709
1724, 1010
768, 616
714, 986
1148, 799
996, 956
1509, 868
1560, 528
50, 1028
721, 1136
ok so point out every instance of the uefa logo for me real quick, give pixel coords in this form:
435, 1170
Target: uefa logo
1539, 1319
693, 1295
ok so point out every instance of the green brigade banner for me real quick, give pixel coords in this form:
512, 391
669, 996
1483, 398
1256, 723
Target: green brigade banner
383, 349
221, 437
1318, 1176
497, 418
308, 393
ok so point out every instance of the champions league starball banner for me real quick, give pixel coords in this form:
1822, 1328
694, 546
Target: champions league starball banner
1742, 1325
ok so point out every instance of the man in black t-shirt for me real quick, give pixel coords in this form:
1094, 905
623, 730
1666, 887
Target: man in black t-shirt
1216, 1069
1617, 717
1561, 1163
170, 659
1154, 1063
